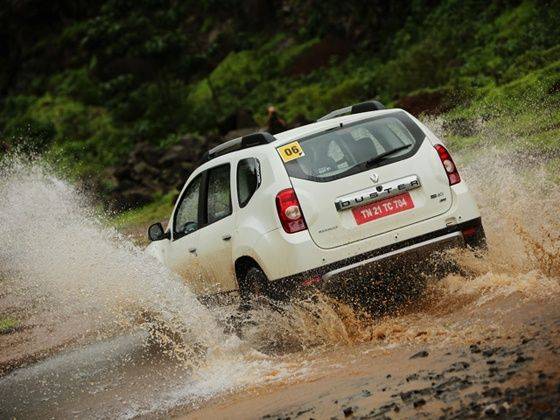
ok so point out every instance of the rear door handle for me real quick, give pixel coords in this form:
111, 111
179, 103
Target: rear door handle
226, 237
192, 250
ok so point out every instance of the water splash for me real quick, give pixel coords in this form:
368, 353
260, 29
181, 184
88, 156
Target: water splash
56, 252
76, 281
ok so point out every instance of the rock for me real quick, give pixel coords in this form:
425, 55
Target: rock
379, 412
521, 359
233, 134
494, 392
474, 396
525, 340
144, 152
299, 121
195, 146
419, 403
122, 172
348, 411
420, 354
177, 154
244, 119
134, 198
458, 366
474, 348
240, 119
302, 412
408, 395
142, 168
488, 352
427, 101
452, 384
491, 410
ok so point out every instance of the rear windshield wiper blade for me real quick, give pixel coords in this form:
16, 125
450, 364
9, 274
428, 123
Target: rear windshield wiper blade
383, 155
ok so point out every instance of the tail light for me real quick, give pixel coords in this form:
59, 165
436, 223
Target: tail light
289, 211
448, 165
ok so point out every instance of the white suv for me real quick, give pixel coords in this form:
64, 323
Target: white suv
353, 193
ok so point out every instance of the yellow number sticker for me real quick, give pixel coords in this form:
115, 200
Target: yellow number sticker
290, 151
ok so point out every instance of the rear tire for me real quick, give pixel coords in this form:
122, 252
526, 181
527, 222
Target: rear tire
381, 295
253, 288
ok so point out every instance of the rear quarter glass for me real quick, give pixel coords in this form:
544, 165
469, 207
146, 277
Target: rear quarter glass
343, 151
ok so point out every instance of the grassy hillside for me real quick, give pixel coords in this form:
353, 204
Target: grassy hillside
85, 83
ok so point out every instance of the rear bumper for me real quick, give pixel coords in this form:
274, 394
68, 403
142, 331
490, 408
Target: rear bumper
403, 255
410, 254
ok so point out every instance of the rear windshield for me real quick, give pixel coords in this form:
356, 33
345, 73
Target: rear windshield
356, 147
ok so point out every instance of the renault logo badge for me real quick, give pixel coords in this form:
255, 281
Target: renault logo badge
374, 177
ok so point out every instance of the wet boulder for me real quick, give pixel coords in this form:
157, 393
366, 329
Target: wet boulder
427, 101
240, 119
240, 133
134, 197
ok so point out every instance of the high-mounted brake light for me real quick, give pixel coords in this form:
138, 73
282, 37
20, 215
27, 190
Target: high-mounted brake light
448, 165
289, 211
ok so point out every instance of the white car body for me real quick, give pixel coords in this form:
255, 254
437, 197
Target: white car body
211, 258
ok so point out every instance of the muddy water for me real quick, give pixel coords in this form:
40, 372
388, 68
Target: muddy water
93, 306
77, 285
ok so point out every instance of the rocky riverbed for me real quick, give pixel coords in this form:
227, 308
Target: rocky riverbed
511, 369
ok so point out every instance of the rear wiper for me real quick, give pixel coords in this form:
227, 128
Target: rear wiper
383, 155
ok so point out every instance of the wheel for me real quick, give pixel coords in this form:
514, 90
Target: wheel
380, 294
253, 288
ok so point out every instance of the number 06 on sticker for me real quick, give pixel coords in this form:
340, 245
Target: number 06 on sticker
290, 151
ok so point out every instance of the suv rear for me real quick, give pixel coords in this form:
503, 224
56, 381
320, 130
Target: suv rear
352, 194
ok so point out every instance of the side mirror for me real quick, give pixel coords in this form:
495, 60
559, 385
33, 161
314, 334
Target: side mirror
156, 232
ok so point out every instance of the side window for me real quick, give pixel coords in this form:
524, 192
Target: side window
186, 218
248, 179
218, 204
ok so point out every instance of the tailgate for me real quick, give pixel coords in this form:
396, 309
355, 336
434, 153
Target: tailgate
353, 205
353, 208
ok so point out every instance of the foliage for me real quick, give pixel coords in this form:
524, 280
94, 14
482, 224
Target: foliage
135, 221
84, 82
7, 325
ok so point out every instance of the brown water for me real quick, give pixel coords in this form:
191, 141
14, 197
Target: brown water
96, 303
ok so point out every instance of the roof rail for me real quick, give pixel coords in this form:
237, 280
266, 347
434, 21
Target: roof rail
354, 109
250, 140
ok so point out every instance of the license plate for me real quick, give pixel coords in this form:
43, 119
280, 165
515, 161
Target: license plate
382, 208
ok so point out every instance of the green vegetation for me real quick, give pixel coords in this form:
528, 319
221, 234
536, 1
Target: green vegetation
528, 108
7, 325
136, 221
84, 83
